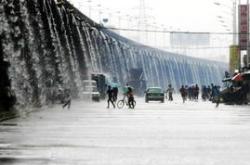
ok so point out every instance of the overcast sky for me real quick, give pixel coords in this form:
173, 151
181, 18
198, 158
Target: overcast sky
194, 15
173, 15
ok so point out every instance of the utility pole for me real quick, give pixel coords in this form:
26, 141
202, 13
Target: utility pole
234, 12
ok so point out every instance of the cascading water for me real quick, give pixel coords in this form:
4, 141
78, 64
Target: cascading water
51, 46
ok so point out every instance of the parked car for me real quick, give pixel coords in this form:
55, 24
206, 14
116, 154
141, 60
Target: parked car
90, 90
154, 94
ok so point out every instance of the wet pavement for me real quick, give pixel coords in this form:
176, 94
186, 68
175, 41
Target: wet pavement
194, 133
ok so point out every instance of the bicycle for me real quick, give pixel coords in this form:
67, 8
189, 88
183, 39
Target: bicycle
121, 103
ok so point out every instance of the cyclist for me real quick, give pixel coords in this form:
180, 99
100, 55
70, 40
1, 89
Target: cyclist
128, 98
125, 90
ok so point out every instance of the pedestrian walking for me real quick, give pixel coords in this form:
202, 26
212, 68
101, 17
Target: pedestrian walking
209, 91
213, 92
110, 94
183, 93
67, 99
196, 92
204, 92
130, 98
170, 91
115, 94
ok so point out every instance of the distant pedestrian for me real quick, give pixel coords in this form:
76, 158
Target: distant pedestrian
204, 93
115, 94
209, 91
183, 93
196, 92
227, 74
67, 99
110, 94
130, 98
244, 90
170, 91
213, 91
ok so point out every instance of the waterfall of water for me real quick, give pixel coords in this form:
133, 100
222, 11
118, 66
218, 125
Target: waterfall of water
53, 46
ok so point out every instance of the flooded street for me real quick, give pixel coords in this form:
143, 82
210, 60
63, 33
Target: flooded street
54, 51
172, 133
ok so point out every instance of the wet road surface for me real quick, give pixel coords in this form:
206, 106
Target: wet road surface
152, 134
